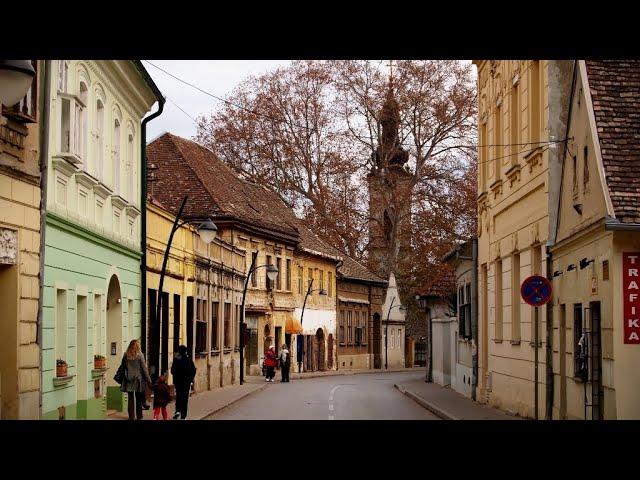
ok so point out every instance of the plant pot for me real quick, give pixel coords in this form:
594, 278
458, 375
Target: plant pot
100, 364
61, 370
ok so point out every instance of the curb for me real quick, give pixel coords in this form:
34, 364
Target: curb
433, 408
216, 410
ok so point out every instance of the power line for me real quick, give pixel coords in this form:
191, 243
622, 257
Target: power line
179, 108
346, 134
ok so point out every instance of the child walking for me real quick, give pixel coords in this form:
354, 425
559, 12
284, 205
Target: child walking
161, 398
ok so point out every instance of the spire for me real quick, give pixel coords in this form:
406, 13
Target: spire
389, 152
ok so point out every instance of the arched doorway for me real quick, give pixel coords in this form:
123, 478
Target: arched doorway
330, 351
114, 343
321, 349
377, 341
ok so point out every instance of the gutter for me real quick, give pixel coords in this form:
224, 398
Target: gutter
617, 226
44, 163
143, 202
474, 318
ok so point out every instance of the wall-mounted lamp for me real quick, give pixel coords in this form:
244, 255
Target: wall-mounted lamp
557, 273
571, 267
584, 262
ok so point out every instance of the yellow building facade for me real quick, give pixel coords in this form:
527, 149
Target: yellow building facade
202, 289
512, 228
20, 255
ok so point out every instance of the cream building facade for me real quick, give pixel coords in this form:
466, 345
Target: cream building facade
518, 131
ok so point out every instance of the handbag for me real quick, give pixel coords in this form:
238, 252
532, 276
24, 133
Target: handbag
121, 372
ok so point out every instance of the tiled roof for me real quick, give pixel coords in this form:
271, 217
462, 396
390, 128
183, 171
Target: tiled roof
615, 93
352, 269
214, 189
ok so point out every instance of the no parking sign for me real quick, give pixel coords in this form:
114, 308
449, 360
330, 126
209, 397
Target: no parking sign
536, 290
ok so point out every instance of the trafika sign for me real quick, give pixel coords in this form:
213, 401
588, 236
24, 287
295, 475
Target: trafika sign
631, 292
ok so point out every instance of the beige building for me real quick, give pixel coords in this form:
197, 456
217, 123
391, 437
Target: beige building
20, 253
596, 247
518, 131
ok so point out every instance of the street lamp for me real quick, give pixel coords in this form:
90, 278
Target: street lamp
386, 331
300, 347
15, 79
207, 231
272, 273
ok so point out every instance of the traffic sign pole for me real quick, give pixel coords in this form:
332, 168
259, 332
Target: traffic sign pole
535, 309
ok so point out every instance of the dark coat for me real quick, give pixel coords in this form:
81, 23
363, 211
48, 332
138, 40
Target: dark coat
161, 394
270, 359
183, 370
136, 376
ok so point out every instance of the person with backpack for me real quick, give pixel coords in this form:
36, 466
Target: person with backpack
285, 363
270, 361
184, 372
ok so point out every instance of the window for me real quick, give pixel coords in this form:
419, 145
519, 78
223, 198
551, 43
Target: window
358, 336
269, 283
341, 333
279, 277
254, 278
288, 275
63, 75
227, 325
61, 324
575, 175
498, 300
579, 342
214, 325
392, 337
497, 140
300, 279
364, 328
97, 324
349, 336
99, 140
605, 270
237, 327
585, 176
131, 170
483, 157
399, 339
534, 107
176, 322
73, 124
201, 327
515, 124
321, 280
515, 297
310, 278
190, 325
116, 156
464, 311
330, 283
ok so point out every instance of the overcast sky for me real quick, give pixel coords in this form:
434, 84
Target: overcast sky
215, 76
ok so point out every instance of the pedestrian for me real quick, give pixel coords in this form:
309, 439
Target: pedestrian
285, 363
270, 361
135, 379
184, 372
161, 397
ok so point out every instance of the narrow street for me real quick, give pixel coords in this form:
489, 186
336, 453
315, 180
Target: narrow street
350, 397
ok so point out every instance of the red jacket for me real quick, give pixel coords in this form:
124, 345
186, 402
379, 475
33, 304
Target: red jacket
270, 359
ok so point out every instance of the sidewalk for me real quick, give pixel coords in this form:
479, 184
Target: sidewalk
330, 373
204, 404
448, 404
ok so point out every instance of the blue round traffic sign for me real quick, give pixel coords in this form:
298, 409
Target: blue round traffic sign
536, 290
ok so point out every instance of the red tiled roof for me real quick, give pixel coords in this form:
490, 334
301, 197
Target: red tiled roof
615, 93
214, 189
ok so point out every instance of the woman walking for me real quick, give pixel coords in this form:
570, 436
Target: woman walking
270, 361
135, 379
184, 371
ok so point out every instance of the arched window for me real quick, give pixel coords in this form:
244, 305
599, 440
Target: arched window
116, 156
81, 122
132, 171
99, 139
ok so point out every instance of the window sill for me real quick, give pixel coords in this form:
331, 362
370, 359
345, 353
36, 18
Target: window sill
215, 353
514, 342
497, 340
227, 349
98, 372
533, 344
201, 354
60, 381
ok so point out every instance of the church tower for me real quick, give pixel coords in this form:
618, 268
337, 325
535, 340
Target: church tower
390, 185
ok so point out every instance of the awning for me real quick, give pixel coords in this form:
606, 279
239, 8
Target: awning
293, 326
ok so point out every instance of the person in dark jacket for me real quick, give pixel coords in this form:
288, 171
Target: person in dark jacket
161, 398
184, 371
285, 363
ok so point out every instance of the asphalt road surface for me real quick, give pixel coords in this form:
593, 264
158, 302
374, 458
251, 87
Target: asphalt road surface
342, 397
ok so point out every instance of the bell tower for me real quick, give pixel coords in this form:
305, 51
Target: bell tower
390, 185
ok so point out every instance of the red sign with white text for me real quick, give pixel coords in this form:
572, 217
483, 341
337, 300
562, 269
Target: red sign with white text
631, 296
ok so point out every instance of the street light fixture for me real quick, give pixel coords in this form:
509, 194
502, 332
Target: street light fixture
300, 347
206, 230
15, 79
402, 308
272, 273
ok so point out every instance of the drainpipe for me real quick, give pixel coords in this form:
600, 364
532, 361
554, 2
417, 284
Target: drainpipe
143, 214
474, 316
44, 162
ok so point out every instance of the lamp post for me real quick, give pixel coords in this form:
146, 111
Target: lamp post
15, 79
386, 331
272, 272
321, 291
207, 231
